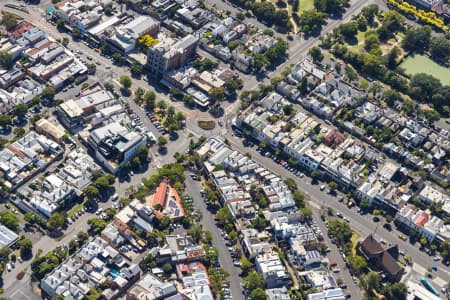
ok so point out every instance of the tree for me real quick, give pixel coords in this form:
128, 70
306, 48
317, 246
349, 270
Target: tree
307, 213
372, 43
217, 94
357, 263
362, 23
440, 48
125, 81
162, 141
117, 57
349, 30
418, 39
5, 120
179, 117
423, 240
240, 16
142, 154
4, 254
56, 221
395, 291
48, 93
281, 19
391, 61
139, 93
299, 199
312, 20
254, 280
26, 247
6, 60
350, 73
259, 62
60, 24
205, 64
76, 33
369, 12
20, 110
196, 233
315, 174
424, 86
108, 11
332, 185
371, 282
292, 185
9, 220
330, 6
258, 294
167, 268
97, 225
316, 54
277, 51
91, 192
149, 100
224, 216
340, 230
259, 222
19, 131
9, 21
246, 265
136, 69
161, 104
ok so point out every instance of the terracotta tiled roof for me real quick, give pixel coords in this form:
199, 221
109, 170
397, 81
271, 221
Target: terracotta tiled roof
422, 219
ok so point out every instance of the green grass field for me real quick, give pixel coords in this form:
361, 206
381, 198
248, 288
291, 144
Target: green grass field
305, 5
422, 64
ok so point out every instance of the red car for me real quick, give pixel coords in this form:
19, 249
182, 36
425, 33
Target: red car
153, 119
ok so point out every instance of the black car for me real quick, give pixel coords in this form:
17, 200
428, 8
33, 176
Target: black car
343, 286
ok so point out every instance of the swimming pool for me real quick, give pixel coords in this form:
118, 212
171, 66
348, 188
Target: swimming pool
114, 273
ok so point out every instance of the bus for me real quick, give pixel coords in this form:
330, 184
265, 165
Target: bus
429, 286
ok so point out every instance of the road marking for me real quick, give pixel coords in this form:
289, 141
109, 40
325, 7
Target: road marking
21, 297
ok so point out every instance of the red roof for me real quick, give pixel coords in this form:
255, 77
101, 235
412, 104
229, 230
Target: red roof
422, 219
160, 195
20, 29
334, 137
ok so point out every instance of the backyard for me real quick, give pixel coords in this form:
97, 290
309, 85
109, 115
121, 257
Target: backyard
422, 64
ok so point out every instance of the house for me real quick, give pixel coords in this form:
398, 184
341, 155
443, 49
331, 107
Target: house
114, 145
7, 237
90, 266
51, 129
272, 269
321, 280
380, 258
167, 202
430, 195
278, 294
196, 17
76, 113
333, 294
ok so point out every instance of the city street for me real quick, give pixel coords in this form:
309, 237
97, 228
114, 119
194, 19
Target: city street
193, 189
335, 256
